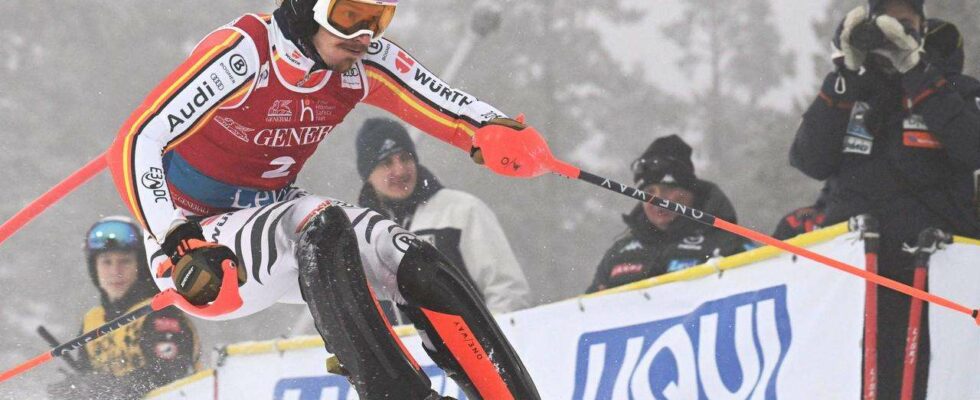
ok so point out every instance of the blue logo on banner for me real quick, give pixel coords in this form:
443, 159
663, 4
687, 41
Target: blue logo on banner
335, 387
727, 348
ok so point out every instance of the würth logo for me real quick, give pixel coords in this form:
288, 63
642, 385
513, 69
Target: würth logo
404, 63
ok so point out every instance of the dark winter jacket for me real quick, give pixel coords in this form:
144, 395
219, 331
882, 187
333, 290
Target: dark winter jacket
910, 167
645, 251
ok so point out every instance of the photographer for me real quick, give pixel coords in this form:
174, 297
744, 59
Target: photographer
896, 130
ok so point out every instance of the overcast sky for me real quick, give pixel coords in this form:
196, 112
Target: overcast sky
659, 57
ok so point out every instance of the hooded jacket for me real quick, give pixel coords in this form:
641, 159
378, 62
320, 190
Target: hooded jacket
465, 230
645, 251
910, 167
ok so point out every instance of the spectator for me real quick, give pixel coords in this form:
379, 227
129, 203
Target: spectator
657, 241
896, 129
460, 225
149, 353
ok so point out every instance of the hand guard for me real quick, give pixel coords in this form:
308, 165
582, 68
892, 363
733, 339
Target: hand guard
518, 125
195, 264
904, 49
513, 149
848, 55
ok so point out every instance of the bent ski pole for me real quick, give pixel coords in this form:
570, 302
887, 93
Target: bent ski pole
711, 220
524, 154
36, 207
228, 300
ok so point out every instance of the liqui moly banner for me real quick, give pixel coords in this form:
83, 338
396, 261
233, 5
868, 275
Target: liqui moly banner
776, 328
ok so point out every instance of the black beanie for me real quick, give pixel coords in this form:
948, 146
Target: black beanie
377, 140
668, 161
877, 6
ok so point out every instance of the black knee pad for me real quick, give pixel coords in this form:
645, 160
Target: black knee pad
428, 279
346, 313
445, 306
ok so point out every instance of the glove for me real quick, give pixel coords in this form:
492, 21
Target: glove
904, 47
518, 125
847, 55
195, 264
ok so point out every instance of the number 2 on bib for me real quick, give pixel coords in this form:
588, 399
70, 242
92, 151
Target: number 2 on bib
283, 166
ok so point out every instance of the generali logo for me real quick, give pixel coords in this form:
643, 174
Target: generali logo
280, 111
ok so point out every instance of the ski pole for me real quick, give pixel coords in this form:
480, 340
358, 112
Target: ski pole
524, 154
868, 228
53, 342
56, 193
930, 240
80, 341
228, 300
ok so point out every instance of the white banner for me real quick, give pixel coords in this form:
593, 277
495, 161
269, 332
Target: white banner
954, 273
780, 328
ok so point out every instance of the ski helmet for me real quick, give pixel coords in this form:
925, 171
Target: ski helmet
115, 233
877, 6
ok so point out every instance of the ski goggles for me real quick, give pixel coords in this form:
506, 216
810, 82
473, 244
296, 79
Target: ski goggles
112, 235
349, 19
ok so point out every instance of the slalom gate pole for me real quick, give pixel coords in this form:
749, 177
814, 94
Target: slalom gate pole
228, 300
868, 228
36, 207
930, 240
522, 153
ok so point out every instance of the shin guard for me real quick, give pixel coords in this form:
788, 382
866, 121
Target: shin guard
457, 329
347, 315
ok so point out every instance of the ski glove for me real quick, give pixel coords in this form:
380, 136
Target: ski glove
476, 154
904, 47
846, 54
195, 264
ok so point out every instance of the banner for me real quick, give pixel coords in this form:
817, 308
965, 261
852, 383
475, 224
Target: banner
954, 339
780, 327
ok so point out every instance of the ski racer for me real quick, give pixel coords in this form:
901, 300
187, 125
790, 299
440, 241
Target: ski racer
896, 130
658, 241
207, 163
151, 352
457, 223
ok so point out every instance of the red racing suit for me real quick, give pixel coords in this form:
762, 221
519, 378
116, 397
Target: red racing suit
234, 124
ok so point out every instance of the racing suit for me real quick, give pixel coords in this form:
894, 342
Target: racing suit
225, 135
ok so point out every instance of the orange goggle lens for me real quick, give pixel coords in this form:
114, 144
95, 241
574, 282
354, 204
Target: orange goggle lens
351, 17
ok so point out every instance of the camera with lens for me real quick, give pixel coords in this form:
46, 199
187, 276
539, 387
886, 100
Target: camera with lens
867, 36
